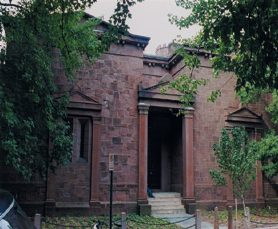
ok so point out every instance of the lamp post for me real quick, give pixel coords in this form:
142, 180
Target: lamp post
111, 169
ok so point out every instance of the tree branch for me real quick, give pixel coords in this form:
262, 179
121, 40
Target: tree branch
10, 5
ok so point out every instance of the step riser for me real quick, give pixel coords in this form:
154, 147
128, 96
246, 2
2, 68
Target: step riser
178, 216
167, 207
161, 205
163, 202
167, 195
165, 199
166, 204
176, 211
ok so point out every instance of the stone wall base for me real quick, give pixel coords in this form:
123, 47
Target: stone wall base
65, 209
144, 209
189, 205
222, 205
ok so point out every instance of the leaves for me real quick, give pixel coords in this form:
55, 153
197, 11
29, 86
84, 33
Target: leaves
39, 35
187, 86
214, 95
267, 148
236, 159
242, 34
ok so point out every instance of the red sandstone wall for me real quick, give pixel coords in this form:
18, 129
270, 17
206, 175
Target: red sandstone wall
113, 82
152, 74
209, 119
31, 194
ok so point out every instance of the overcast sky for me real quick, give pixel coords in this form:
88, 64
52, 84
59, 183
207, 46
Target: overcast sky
149, 18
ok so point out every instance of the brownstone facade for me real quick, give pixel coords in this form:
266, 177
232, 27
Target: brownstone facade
116, 107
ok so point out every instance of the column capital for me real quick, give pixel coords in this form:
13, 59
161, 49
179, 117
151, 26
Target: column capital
143, 108
96, 119
188, 112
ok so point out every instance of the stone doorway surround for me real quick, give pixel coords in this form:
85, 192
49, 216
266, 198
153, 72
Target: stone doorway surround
254, 124
152, 97
81, 105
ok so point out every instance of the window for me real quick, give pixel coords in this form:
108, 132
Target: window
84, 139
81, 128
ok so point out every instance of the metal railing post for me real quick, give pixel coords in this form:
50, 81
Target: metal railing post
230, 217
198, 219
216, 220
37, 221
123, 220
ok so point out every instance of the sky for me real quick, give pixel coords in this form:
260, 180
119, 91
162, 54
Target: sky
149, 18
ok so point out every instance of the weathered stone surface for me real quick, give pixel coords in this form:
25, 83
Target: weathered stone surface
113, 81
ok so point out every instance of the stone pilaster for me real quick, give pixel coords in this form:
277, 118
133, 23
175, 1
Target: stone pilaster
188, 161
144, 208
95, 160
259, 176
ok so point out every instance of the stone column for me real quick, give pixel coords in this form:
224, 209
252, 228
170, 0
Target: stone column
95, 159
259, 176
188, 161
144, 208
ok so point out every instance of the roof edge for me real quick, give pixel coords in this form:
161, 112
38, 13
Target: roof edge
134, 39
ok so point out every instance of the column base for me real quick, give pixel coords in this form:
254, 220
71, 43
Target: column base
94, 203
260, 203
144, 208
49, 207
50, 203
189, 205
230, 202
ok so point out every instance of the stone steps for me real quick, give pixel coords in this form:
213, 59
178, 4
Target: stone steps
165, 204
166, 194
160, 201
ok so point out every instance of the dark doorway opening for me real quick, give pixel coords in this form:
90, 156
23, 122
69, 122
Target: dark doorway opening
164, 150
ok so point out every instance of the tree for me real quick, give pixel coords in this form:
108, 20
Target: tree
244, 38
236, 159
242, 35
31, 116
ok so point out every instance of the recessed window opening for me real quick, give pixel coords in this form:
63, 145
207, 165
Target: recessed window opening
81, 130
84, 139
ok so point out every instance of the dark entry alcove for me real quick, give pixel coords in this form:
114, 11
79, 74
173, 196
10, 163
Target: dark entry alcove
164, 150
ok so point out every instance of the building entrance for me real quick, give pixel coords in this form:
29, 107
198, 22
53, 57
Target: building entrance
164, 150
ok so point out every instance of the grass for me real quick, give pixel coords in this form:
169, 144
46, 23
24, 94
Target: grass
133, 222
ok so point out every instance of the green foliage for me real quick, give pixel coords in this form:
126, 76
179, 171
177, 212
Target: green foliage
214, 95
267, 148
242, 34
249, 94
236, 159
186, 84
272, 108
188, 88
243, 37
218, 177
133, 221
31, 115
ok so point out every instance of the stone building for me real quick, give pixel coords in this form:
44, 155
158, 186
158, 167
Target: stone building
116, 107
